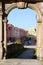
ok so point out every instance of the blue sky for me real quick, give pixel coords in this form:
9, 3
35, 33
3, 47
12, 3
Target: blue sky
22, 18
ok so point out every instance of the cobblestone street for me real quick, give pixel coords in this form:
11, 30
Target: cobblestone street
27, 54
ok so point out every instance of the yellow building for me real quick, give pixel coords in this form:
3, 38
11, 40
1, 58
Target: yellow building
32, 31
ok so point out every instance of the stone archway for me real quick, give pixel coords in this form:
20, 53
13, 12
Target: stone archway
8, 8
22, 5
39, 21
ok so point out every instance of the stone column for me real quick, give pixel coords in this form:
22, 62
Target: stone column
0, 30
5, 34
39, 40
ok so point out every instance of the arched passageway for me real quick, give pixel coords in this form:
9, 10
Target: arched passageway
39, 21
22, 21
38, 14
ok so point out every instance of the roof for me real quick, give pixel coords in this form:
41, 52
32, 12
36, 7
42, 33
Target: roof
9, 25
29, 1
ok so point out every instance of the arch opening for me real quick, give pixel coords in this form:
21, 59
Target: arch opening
16, 13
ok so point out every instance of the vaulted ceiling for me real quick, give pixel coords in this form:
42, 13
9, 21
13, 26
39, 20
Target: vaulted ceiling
29, 1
